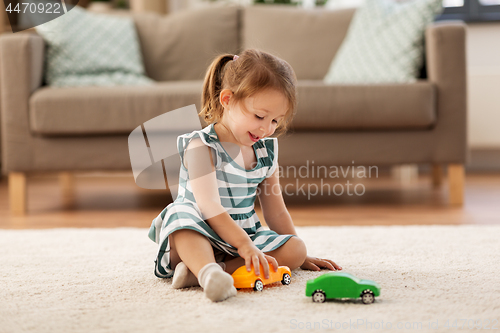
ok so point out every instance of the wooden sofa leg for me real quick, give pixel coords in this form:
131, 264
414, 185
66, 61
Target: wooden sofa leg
406, 174
437, 175
18, 193
67, 184
456, 180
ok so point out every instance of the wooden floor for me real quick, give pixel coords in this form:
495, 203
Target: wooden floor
115, 201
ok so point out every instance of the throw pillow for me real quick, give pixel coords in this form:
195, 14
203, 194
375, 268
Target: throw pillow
92, 49
384, 43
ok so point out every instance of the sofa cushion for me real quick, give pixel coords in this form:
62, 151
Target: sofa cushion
85, 48
306, 38
181, 46
106, 110
365, 107
385, 42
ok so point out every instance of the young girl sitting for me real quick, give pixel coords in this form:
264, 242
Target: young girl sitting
211, 229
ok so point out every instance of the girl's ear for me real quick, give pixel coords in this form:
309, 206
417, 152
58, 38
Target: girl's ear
225, 97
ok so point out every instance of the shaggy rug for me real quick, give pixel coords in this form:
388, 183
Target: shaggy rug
433, 278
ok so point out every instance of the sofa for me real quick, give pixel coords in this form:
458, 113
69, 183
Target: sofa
80, 129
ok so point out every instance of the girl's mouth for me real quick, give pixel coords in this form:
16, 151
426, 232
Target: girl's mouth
253, 137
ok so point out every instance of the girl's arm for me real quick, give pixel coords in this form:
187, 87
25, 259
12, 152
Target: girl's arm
204, 186
278, 219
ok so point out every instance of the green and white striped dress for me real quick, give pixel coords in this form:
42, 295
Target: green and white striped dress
237, 190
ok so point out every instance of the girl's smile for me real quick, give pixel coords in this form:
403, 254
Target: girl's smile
254, 118
254, 138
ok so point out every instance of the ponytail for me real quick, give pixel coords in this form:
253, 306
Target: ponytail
211, 108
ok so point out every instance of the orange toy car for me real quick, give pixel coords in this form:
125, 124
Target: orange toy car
244, 279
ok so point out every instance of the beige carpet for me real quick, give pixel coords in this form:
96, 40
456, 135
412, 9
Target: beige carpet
101, 280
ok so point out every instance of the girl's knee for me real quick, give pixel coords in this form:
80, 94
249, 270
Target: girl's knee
185, 241
184, 234
296, 252
300, 249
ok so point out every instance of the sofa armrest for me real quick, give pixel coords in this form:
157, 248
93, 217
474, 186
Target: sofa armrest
21, 69
446, 69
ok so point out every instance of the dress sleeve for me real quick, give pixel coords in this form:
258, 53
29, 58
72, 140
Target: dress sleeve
184, 140
272, 153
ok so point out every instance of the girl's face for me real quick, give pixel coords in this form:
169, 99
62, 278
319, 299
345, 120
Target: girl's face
262, 113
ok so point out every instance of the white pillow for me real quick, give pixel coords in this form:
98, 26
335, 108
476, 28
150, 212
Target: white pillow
92, 49
384, 43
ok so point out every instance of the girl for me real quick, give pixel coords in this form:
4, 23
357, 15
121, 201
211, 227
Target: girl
211, 229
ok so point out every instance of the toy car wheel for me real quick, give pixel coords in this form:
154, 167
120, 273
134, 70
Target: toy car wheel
258, 285
367, 297
319, 296
287, 279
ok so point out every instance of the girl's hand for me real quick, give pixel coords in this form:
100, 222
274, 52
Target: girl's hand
315, 264
254, 256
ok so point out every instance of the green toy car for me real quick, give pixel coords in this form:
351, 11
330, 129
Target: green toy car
341, 285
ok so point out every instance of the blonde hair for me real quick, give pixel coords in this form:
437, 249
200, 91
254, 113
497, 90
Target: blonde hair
252, 72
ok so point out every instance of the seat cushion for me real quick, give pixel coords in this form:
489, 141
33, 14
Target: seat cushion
106, 110
365, 107
119, 110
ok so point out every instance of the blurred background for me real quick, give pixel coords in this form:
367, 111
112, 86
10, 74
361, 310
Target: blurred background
397, 197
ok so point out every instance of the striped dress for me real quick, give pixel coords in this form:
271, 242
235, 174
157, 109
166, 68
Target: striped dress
237, 190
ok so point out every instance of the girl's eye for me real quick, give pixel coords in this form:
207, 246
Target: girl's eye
259, 117
275, 121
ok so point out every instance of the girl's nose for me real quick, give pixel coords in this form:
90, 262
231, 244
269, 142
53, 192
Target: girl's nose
266, 130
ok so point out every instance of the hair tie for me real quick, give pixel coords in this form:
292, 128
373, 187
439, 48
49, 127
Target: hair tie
235, 57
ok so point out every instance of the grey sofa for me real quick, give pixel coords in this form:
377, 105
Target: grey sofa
46, 129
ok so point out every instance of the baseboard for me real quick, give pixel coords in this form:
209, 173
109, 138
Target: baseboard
481, 160
484, 160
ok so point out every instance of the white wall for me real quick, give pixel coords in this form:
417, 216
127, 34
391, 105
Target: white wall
483, 69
